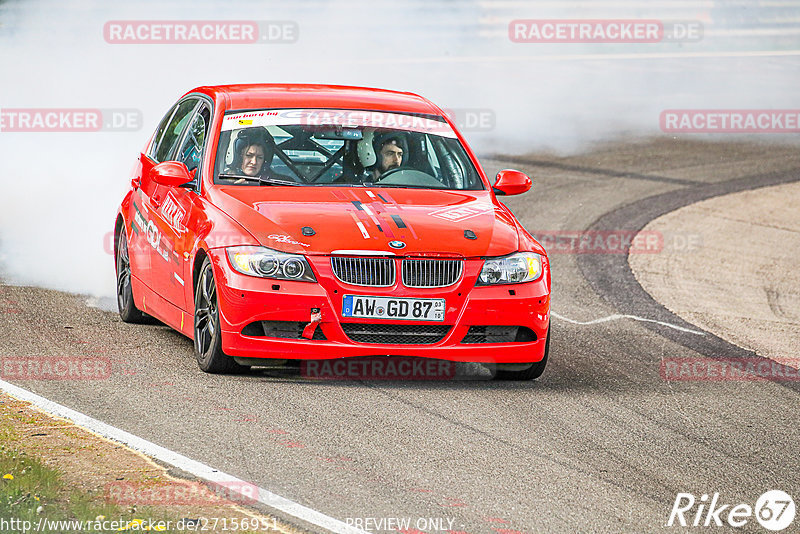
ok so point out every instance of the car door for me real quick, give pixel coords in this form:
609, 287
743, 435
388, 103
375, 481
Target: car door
151, 249
178, 211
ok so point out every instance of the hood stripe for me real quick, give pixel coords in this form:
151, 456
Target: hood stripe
399, 221
386, 197
401, 224
388, 230
371, 216
363, 230
365, 214
377, 207
360, 226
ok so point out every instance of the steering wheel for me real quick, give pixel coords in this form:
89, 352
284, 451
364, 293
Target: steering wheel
391, 172
409, 177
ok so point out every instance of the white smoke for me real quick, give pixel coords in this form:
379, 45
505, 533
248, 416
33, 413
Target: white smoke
59, 191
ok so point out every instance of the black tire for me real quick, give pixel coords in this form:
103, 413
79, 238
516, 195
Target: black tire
531, 373
128, 311
207, 335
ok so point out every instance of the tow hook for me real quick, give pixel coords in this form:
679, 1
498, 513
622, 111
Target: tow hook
316, 318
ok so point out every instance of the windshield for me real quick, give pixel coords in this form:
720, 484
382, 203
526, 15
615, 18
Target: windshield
343, 148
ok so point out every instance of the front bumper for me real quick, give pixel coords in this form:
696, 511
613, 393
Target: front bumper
244, 300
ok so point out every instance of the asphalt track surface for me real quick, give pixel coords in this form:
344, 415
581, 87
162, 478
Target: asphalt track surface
600, 443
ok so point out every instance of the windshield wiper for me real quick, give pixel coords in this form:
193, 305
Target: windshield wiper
260, 179
378, 185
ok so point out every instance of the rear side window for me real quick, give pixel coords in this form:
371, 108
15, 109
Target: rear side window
169, 131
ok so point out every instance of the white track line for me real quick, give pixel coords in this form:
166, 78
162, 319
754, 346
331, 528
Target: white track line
617, 316
182, 462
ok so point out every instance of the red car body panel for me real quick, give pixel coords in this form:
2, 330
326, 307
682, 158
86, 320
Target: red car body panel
427, 214
243, 301
170, 229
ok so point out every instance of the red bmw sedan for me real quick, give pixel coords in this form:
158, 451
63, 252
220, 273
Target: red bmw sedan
313, 222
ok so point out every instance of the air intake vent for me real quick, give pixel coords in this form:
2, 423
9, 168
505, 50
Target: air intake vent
499, 334
280, 329
431, 273
395, 334
373, 272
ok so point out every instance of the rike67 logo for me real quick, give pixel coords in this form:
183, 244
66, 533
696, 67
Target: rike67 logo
774, 510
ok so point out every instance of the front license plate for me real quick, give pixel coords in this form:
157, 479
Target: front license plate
361, 306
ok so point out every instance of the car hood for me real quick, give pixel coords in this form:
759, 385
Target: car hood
463, 223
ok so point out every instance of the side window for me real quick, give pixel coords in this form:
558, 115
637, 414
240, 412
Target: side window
192, 147
160, 132
432, 159
169, 131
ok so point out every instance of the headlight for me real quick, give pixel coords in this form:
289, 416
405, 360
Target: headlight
513, 269
268, 263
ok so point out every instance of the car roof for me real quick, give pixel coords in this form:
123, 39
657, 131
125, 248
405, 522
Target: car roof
275, 96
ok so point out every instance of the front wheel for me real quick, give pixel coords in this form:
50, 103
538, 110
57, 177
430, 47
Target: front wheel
531, 373
207, 335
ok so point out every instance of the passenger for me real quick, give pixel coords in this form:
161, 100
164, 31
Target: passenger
253, 157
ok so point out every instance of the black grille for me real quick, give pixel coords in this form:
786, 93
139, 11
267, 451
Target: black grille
395, 334
281, 329
431, 273
364, 271
499, 334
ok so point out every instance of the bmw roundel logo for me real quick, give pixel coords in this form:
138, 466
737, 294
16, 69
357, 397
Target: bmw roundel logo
397, 244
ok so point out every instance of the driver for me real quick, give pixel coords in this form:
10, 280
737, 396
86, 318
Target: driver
389, 155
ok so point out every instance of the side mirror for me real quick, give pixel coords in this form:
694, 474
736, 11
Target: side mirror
511, 182
170, 173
